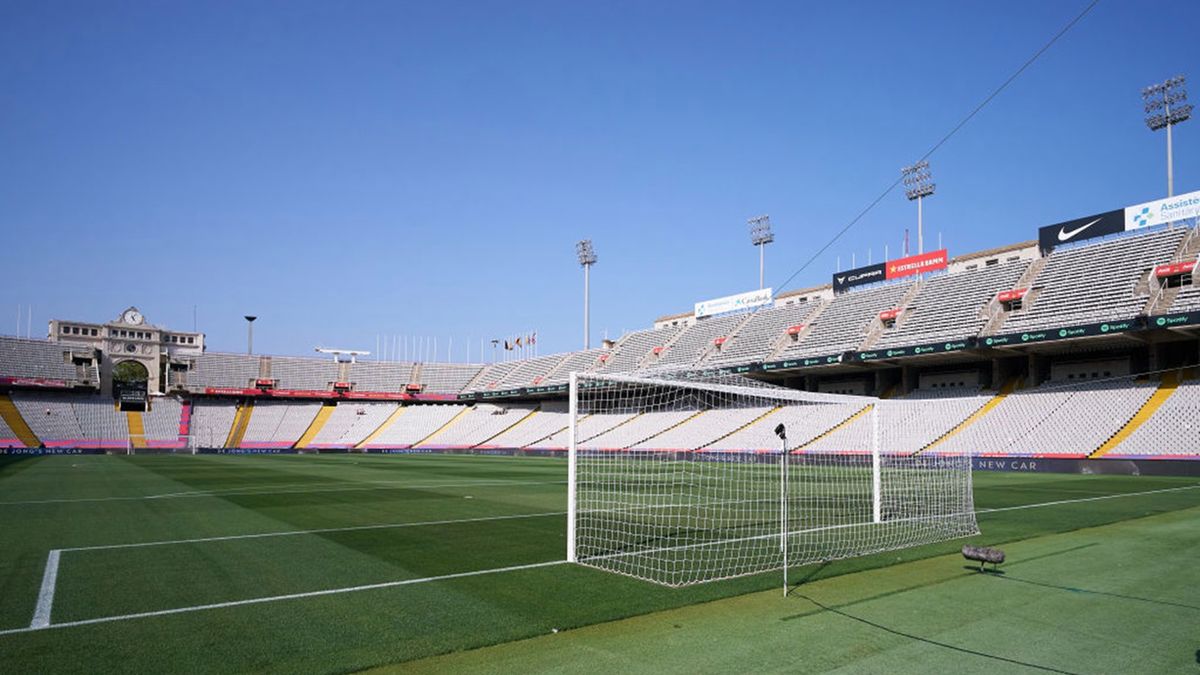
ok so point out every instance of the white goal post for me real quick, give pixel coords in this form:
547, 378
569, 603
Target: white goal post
685, 478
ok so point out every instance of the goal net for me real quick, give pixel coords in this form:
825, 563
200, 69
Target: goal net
681, 479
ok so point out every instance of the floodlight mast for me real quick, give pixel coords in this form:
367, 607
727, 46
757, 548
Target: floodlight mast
587, 258
249, 333
917, 186
1166, 105
760, 236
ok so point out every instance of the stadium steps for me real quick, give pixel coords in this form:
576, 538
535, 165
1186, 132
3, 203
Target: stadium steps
712, 348
550, 435
453, 420
1029, 276
241, 420
476, 381
877, 327
318, 423
514, 425
382, 427
12, 417
680, 423
1008, 388
137, 428
785, 340
650, 359
747, 425
1168, 385
554, 371
844, 423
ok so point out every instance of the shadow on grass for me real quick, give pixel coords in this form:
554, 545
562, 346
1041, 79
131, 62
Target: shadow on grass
1075, 589
935, 643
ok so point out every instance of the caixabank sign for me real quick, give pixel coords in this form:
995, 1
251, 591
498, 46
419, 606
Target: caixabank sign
916, 350
892, 269
1051, 334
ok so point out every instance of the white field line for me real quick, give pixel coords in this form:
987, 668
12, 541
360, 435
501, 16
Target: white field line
293, 533
353, 487
279, 598
41, 615
390, 584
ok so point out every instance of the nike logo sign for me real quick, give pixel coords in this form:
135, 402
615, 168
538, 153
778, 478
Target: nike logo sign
1064, 234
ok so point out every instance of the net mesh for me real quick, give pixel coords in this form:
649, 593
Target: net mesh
681, 479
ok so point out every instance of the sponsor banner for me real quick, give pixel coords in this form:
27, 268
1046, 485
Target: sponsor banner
1175, 320
1088, 330
917, 264
734, 303
916, 350
1080, 229
1014, 294
810, 362
1162, 211
859, 276
37, 452
796, 329
889, 314
1174, 269
33, 382
346, 395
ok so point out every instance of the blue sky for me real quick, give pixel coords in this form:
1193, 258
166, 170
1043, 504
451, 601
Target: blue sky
345, 170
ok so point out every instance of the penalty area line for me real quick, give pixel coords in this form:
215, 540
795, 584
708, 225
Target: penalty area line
41, 614
280, 598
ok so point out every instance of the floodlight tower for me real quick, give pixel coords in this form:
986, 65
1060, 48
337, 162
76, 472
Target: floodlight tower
760, 236
249, 333
587, 258
918, 186
1166, 106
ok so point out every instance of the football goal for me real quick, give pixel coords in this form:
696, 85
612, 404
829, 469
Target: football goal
682, 478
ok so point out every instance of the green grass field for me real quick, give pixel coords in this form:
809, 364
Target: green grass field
320, 563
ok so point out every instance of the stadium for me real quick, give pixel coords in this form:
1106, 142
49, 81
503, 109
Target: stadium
639, 504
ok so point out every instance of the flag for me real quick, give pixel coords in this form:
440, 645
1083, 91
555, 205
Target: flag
518, 342
507, 345
533, 338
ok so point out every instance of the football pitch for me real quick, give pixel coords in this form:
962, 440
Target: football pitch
336, 563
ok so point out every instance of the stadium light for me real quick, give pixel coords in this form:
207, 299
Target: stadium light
249, 333
760, 236
917, 186
1166, 105
587, 258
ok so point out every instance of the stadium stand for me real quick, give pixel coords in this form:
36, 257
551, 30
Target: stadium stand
223, 370
758, 337
846, 321
1188, 299
531, 372
211, 421
307, 374
634, 347
73, 420
351, 423
8, 437
550, 418
412, 425
579, 362
1054, 419
1095, 282
702, 429
381, 375
588, 428
477, 426
1172, 431
447, 378
951, 306
696, 340
760, 437
39, 359
278, 424
638, 429
161, 421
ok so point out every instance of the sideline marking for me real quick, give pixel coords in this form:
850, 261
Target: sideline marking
41, 615
278, 598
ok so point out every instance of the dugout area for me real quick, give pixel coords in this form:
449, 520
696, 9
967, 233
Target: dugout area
343, 562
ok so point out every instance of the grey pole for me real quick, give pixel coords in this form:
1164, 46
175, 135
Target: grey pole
760, 236
1170, 159
1169, 97
249, 333
587, 258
